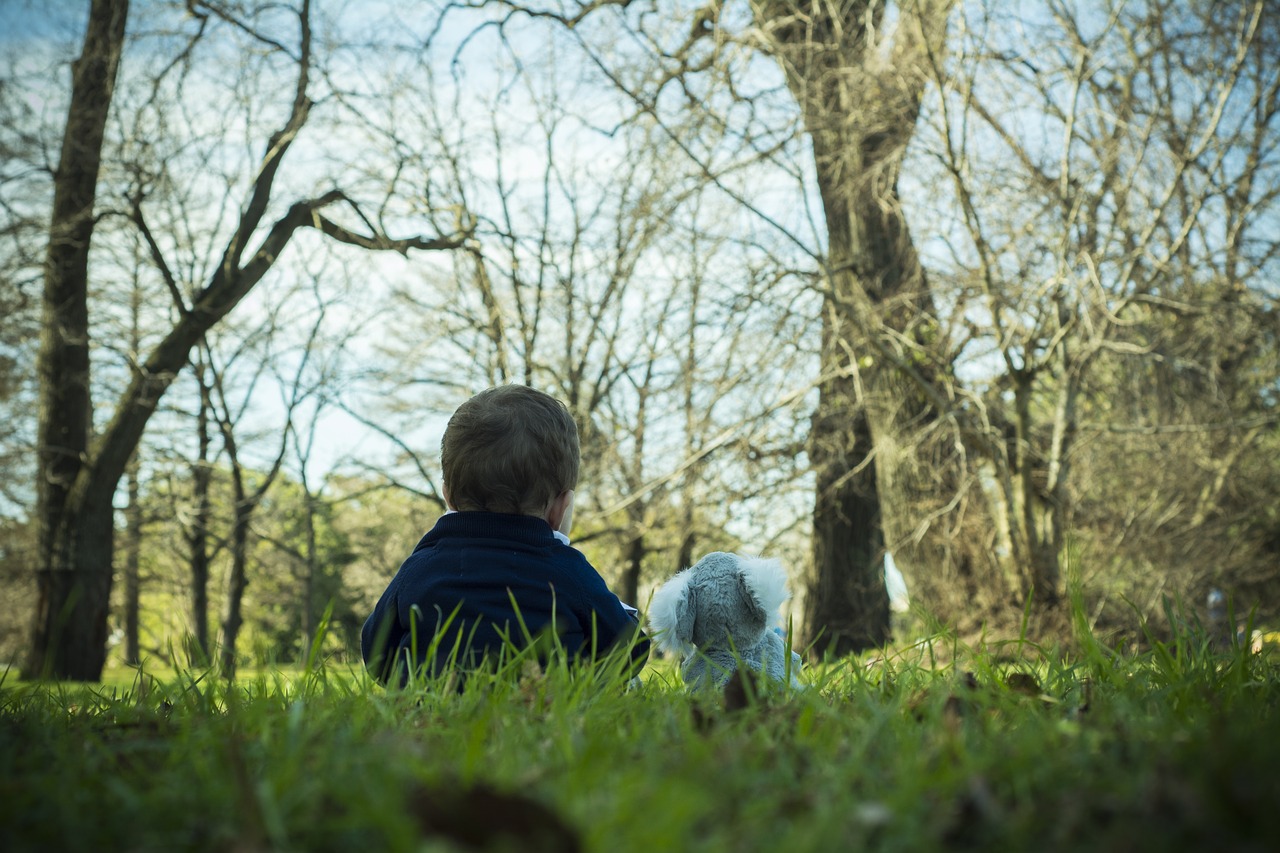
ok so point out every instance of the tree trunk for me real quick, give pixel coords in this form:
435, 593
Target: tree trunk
309, 570
132, 555
133, 509
74, 589
198, 538
76, 483
860, 104
245, 506
1039, 542
631, 571
70, 628
846, 605
688, 539
237, 581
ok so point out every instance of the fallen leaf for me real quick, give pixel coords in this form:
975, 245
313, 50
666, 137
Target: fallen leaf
479, 817
1022, 682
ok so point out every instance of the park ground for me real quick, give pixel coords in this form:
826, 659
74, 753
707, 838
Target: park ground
939, 746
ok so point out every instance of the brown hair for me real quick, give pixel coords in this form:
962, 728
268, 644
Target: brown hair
509, 449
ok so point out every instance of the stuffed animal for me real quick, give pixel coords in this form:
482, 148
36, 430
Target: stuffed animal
718, 612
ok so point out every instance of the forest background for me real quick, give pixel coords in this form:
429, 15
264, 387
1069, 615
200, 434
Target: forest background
989, 287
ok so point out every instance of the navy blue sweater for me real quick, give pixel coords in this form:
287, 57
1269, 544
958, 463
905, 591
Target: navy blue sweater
461, 580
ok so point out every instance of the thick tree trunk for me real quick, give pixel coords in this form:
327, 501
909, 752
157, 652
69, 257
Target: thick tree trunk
877, 292
74, 548
76, 482
74, 591
860, 103
846, 605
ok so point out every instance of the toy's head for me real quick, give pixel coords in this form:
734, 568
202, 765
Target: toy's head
722, 600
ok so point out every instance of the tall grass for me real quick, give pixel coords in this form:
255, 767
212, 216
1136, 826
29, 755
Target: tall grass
935, 747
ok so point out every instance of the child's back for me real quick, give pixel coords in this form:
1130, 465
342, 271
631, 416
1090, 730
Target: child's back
498, 569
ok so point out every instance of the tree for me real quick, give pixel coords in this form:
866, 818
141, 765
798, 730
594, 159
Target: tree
1114, 263
246, 501
592, 276
197, 533
299, 545
856, 73
78, 478
131, 543
70, 633
247, 495
859, 83
24, 228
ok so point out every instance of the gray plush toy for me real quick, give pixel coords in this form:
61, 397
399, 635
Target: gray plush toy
719, 611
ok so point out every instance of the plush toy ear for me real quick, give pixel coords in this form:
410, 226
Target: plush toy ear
671, 613
767, 582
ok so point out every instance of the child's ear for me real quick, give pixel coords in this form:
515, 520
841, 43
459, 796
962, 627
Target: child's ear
560, 513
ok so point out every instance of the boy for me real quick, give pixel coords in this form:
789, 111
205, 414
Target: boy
500, 557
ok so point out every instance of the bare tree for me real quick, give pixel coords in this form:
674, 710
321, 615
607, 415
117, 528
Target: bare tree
1129, 126
1099, 237
202, 513
246, 495
78, 479
71, 627
23, 228
246, 501
591, 277
856, 73
131, 544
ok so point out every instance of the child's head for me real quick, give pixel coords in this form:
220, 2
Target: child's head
509, 449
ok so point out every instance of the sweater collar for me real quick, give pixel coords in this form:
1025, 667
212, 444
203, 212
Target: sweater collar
491, 525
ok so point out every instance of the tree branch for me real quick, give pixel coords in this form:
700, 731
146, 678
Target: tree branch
157, 256
224, 291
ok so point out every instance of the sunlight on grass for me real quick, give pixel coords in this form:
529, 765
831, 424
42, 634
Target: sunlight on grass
933, 747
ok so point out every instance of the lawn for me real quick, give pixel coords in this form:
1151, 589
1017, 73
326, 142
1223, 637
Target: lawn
936, 747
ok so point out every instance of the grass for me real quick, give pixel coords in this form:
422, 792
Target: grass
1012, 748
